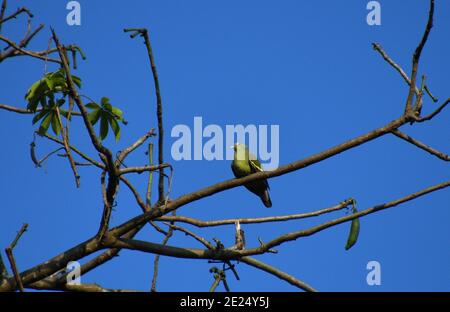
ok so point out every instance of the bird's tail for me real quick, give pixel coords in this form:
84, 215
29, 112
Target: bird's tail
266, 199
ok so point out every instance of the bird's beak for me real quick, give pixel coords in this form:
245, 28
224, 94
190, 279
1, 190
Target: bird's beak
232, 146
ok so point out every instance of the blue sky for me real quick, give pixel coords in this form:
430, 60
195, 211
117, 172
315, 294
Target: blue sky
307, 66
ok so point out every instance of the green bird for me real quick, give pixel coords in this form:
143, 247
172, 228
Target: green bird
245, 163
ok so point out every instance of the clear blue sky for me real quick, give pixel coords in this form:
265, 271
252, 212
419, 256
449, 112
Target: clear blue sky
307, 66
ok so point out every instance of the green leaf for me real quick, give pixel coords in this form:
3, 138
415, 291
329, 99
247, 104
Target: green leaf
43, 101
103, 126
108, 107
32, 90
48, 86
118, 114
94, 116
115, 127
354, 231
76, 80
63, 113
104, 101
93, 105
56, 125
38, 116
49, 82
35, 94
55, 81
45, 124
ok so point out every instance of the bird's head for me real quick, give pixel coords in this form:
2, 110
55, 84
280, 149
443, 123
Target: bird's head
240, 151
238, 147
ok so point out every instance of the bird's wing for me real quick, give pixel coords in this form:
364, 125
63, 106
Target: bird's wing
234, 171
255, 166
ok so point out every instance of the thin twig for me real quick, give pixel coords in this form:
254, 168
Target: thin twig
26, 111
135, 145
38, 162
416, 59
278, 273
156, 261
93, 288
200, 239
201, 223
159, 113
421, 145
18, 236
14, 15
2, 14
12, 261
377, 47
133, 190
141, 203
108, 195
3, 272
65, 139
433, 114
76, 150
148, 195
216, 282
17, 48
142, 169
29, 36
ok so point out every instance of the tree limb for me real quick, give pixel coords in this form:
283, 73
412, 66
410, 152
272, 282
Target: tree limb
159, 113
280, 274
421, 145
201, 223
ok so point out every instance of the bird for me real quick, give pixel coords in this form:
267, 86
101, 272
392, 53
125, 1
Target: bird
244, 164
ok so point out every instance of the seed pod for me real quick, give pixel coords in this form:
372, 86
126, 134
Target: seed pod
354, 231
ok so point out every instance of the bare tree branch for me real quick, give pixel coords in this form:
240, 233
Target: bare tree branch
65, 139
79, 288
433, 114
14, 15
227, 254
135, 145
26, 111
377, 47
148, 194
20, 49
142, 169
2, 14
294, 235
416, 59
200, 223
77, 151
280, 274
58, 281
200, 239
12, 261
159, 113
222, 186
421, 145
156, 261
